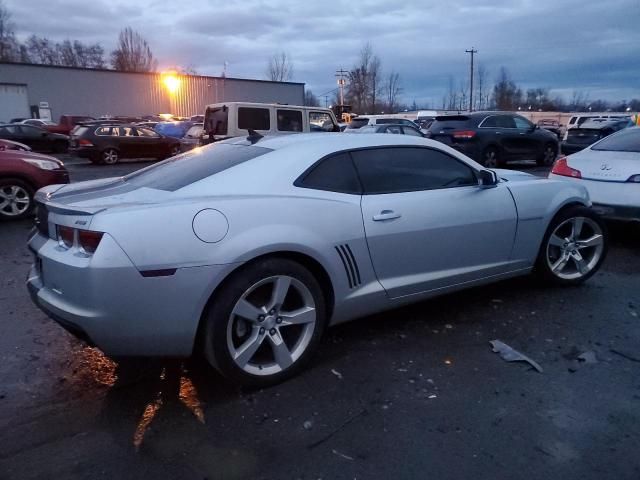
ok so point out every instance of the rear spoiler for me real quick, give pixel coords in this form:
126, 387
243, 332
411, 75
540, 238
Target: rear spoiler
44, 198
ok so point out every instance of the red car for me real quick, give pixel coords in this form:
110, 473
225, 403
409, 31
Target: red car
21, 174
11, 145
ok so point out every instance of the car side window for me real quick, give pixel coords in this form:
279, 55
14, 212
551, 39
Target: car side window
522, 123
145, 132
335, 174
411, 131
250, 118
394, 129
489, 122
103, 131
127, 132
31, 132
505, 121
320, 122
289, 120
408, 169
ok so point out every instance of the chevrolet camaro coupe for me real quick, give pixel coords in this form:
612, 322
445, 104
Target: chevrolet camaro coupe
247, 249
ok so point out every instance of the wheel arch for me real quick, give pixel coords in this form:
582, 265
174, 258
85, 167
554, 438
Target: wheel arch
309, 262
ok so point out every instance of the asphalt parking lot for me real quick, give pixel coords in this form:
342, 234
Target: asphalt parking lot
412, 393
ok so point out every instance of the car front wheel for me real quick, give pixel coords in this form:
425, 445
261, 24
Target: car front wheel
573, 247
265, 323
491, 158
16, 199
548, 155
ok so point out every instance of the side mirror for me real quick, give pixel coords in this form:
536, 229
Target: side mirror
488, 178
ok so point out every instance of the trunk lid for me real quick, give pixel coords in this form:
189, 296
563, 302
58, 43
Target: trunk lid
605, 166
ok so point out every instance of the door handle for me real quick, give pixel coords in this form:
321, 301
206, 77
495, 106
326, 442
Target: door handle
386, 215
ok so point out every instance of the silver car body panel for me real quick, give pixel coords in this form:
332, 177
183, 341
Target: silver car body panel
444, 240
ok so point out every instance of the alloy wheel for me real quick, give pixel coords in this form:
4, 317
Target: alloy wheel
575, 248
549, 155
490, 158
175, 150
14, 200
110, 156
271, 325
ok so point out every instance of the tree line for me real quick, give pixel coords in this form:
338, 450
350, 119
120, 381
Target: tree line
132, 52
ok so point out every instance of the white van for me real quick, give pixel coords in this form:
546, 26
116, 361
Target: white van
237, 119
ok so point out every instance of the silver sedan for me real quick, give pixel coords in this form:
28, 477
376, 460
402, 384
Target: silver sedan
247, 249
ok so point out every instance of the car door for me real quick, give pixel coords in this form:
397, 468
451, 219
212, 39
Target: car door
428, 222
531, 140
149, 143
127, 139
37, 138
509, 137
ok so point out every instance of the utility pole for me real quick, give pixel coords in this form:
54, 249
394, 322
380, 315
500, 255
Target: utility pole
341, 75
472, 52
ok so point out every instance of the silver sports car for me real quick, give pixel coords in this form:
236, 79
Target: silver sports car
248, 249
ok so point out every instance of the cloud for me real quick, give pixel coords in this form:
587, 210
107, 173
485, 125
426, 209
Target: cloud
565, 46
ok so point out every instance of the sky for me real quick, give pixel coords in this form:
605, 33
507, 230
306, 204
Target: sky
564, 45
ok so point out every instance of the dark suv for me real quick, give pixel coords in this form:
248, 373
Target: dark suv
590, 132
109, 143
494, 138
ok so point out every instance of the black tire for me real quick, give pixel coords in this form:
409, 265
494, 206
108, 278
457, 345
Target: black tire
9, 187
109, 156
548, 155
60, 147
219, 322
543, 268
491, 158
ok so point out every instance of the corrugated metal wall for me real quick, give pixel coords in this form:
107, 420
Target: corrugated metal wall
103, 92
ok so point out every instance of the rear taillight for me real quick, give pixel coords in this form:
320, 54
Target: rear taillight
65, 236
87, 240
634, 179
83, 142
464, 134
561, 168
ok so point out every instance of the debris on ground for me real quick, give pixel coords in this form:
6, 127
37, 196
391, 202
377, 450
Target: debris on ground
625, 355
510, 355
448, 326
338, 429
346, 457
308, 425
588, 357
497, 300
336, 373
432, 396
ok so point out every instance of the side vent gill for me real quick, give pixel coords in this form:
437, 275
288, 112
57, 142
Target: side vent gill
350, 265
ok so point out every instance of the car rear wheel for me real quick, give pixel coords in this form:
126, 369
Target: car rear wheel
110, 156
548, 156
175, 150
491, 158
265, 323
16, 199
573, 248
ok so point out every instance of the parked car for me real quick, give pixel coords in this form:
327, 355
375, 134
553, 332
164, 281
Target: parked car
111, 143
37, 122
94, 123
37, 138
396, 128
192, 138
147, 124
238, 119
364, 120
610, 170
67, 122
11, 145
495, 138
579, 118
22, 173
197, 118
248, 248
176, 129
590, 132
552, 125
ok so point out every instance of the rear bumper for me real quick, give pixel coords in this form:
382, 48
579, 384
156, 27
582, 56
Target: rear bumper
105, 301
569, 148
84, 152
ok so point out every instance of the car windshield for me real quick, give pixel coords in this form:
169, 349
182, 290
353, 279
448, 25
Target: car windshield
358, 122
182, 170
173, 129
624, 141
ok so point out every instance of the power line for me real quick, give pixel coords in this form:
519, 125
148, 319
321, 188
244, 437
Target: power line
472, 52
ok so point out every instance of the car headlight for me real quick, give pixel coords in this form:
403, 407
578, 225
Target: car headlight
43, 164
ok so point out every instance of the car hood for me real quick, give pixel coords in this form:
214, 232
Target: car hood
27, 155
514, 175
605, 165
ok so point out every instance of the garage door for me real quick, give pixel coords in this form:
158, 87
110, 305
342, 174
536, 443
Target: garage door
14, 102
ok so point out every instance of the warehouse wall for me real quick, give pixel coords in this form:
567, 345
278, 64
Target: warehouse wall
103, 92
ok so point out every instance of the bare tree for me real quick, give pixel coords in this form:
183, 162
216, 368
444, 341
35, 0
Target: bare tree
133, 53
452, 95
392, 91
280, 68
310, 100
358, 89
374, 80
77, 54
482, 85
506, 94
9, 48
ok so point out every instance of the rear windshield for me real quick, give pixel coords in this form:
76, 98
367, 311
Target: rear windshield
173, 129
182, 170
216, 121
623, 141
358, 122
452, 122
